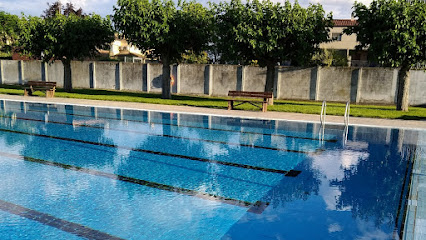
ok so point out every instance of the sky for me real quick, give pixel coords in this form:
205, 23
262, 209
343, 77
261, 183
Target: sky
341, 8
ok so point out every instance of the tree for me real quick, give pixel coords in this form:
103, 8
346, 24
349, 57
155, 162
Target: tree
191, 57
168, 29
9, 32
395, 33
66, 38
57, 8
270, 33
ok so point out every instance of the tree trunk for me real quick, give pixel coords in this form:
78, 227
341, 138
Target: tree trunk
270, 75
270, 80
402, 101
67, 75
166, 93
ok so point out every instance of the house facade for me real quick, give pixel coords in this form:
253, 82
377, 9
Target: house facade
345, 44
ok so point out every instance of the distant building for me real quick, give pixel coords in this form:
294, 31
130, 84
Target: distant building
122, 50
345, 44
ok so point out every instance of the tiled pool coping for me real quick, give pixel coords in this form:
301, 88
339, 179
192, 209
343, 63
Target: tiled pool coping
415, 223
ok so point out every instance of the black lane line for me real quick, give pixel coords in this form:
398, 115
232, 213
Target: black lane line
61, 224
169, 136
189, 126
256, 207
186, 168
156, 152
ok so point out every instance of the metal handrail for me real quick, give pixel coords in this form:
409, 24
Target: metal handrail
323, 112
347, 112
346, 121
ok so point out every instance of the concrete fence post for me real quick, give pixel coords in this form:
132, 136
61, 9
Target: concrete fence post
176, 78
148, 77
44, 75
144, 77
315, 83
355, 85
277, 83
359, 86
395, 85
208, 80
1, 72
118, 76
21, 72
240, 78
277, 93
92, 75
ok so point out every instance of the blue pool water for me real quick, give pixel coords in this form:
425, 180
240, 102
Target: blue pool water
74, 172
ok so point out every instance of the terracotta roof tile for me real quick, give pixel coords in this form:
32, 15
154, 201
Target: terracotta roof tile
344, 22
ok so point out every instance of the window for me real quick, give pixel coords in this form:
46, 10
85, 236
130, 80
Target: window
336, 36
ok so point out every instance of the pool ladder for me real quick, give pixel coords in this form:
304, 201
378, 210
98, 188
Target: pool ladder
345, 121
323, 113
322, 120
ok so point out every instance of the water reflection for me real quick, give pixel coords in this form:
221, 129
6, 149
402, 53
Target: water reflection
343, 191
350, 192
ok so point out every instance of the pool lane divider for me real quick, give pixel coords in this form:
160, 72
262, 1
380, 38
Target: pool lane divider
169, 136
290, 173
61, 224
258, 207
189, 126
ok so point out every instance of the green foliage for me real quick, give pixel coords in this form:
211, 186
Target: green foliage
170, 30
393, 30
65, 37
191, 57
9, 33
270, 32
329, 57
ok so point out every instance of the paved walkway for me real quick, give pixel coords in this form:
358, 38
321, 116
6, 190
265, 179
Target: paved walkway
376, 122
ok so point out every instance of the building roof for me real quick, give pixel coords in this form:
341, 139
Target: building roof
344, 22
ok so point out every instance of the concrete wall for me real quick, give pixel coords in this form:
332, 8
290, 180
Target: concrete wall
295, 83
361, 85
55, 73
255, 79
335, 84
224, 79
417, 87
192, 77
80, 74
154, 79
132, 76
10, 72
33, 70
377, 85
107, 75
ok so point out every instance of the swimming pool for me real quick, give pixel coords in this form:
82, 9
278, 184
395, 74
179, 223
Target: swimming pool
75, 172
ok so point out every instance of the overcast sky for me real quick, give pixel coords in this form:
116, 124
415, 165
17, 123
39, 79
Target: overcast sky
340, 8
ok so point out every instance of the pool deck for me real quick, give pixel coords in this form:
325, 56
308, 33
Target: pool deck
416, 214
373, 122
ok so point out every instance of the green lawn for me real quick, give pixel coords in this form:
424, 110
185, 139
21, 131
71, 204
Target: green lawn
310, 107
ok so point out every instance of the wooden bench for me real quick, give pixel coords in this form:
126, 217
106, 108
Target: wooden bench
32, 86
265, 96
